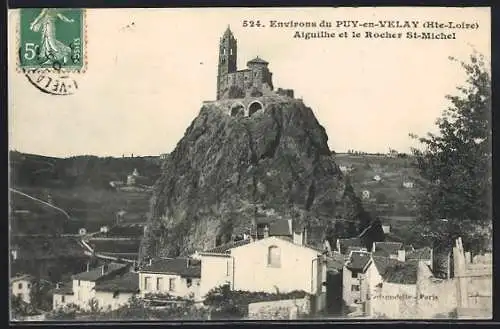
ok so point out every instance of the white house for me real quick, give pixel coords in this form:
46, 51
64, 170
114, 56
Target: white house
82, 290
21, 286
177, 277
355, 278
117, 292
274, 264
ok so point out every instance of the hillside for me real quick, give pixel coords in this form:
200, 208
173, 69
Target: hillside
228, 171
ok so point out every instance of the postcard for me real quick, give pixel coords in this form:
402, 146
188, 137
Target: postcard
240, 164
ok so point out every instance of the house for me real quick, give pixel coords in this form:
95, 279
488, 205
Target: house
355, 279
21, 285
377, 178
346, 245
117, 292
389, 249
81, 291
423, 254
285, 228
273, 264
177, 277
62, 295
392, 288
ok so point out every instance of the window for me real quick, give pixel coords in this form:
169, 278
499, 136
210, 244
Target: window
355, 287
273, 257
63, 299
29, 285
116, 294
20, 286
224, 51
147, 283
171, 284
189, 282
231, 51
354, 274
159, 284
78, 283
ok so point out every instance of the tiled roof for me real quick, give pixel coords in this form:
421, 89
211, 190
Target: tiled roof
358, 261
128, 282
25, 277
97, 273
423, 253
225, 248
349, 242
401, 272
184, 267
387, 248
335, 262
65, 288
258, 60
280, 227
382, 263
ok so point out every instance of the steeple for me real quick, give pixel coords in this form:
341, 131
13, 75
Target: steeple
228, 32
227, 60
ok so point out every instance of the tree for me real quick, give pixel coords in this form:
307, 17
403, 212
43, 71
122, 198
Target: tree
455, 165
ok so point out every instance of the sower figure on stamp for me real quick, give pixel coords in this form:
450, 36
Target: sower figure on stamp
51, 48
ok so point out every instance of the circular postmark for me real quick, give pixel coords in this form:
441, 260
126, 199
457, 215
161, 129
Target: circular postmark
51, 48
53, 80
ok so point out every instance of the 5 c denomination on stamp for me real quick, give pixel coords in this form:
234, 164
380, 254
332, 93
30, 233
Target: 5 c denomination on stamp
52, 45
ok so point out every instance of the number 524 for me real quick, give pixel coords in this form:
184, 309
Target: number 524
252, 24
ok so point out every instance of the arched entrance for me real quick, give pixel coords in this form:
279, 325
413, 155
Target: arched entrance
237, 110
254, 107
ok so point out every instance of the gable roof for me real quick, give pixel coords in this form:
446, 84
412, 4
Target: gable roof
422, 253
349, 242
97, 273
129, 282
358, 261
387, 248
185, 267
22, 277
225, 248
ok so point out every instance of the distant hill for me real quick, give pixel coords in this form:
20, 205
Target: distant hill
36, 170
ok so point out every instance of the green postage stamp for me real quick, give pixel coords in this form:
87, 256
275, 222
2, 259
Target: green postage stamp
52, 38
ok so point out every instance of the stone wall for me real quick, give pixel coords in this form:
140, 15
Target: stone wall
474, 283
280, 309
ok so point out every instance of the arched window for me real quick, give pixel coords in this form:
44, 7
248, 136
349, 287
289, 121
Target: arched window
231, 51
273, 257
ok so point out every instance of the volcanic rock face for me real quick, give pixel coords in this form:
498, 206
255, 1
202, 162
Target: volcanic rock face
226, 171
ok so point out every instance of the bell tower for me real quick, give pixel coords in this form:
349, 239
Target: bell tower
227, 60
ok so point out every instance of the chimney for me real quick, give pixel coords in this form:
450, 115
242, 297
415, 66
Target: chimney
88, 266
266, 231
401, 255
58, 285
187, 262
150, 261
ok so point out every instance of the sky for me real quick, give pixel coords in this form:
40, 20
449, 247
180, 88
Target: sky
149, 70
